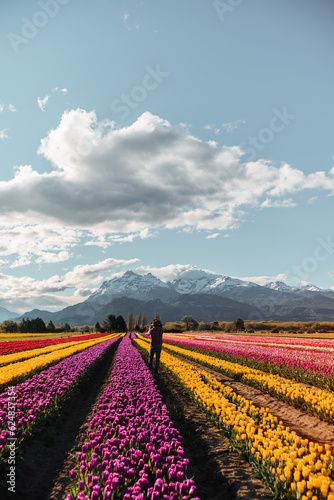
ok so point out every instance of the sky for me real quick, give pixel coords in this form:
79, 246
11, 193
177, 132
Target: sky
167, 136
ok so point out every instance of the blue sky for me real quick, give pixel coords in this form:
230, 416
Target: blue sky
151, 135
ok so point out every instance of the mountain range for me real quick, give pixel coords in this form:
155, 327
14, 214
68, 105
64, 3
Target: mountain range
204, 296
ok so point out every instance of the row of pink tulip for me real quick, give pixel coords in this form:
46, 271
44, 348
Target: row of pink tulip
303, 366
35, 399
131, 449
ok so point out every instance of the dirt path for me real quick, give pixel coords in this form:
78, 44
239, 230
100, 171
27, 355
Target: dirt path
304, 424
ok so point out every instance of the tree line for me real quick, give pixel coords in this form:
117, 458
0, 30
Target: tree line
32, 325
111, 323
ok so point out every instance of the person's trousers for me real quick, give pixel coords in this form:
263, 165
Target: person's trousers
157, 352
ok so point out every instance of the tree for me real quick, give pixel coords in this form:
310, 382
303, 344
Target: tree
191, 323
10, 326
238, 324
120, 324
131, 322
109, 324
113, 324
97, 326
32, 325
143, 321
51, 327
138, 322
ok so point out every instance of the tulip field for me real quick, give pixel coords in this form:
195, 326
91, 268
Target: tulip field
129, 446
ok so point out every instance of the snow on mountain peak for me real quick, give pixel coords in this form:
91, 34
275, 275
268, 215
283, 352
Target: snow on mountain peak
186, 279
305, 285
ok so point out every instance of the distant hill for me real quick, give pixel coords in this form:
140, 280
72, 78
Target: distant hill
5, 314
207, 297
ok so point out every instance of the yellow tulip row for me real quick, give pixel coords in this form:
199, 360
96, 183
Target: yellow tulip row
316, 401
19, 370
291, 466
5, 359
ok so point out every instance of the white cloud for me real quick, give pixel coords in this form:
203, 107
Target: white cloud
10, 107
46, 244
3, 134
60, 91
175, 271
114, 185
42, 102
231, 126
29, 292
52, 257
212, 236
134, 25
264, 280
268, 203
311, 200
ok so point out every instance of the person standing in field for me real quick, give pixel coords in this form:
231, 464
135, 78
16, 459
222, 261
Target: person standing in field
155, 332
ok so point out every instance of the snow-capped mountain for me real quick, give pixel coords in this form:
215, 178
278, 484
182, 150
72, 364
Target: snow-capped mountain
148, 286
309, 287
209, 284
130, 285
204, 295
280, 286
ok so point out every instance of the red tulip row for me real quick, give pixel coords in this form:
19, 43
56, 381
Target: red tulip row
11, 346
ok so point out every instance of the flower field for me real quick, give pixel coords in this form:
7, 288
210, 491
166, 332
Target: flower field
11, 346
130, 446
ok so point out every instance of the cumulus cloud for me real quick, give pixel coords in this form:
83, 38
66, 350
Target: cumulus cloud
116, 184
41, 243
25, 291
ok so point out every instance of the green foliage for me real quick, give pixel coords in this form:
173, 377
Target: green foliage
238, 325
9, 326
174, 327
131, 322
190, 323
51, 327
32, 325
113, 324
